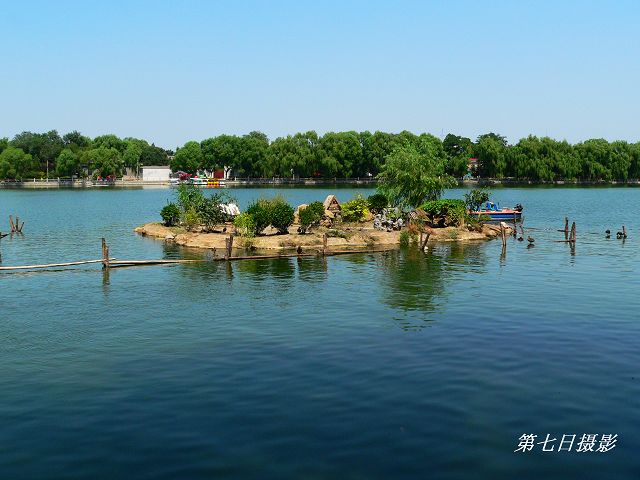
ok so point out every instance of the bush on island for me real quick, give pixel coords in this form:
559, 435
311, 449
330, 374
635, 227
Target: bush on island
310, 216
273, 211
245, 225
170, 214
445, 212
355, 209
282, 214
377, 202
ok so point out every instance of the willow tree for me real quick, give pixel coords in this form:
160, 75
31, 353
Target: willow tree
412, 175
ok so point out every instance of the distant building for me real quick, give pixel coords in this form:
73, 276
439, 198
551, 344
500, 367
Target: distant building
156, 173
473, 166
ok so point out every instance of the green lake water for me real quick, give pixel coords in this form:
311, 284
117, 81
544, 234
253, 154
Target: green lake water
394, 365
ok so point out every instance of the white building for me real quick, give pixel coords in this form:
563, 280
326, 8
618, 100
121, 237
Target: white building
156, 173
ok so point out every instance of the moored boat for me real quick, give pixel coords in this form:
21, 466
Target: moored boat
494, 212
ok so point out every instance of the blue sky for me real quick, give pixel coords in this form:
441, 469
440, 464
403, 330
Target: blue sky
172, 71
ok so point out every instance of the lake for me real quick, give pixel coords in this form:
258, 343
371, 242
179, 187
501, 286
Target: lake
397, 365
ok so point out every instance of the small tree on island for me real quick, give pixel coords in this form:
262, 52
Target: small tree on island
412, 176
474, 199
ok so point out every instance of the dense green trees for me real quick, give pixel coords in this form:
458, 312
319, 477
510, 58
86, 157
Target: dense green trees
413, 175
38, 155
335, 154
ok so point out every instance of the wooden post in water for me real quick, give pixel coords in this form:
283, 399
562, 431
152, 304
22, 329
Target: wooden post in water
11, 224
105, 254
423, 244
624, 232
572, 235
229, 245
515, 226
566, 228
324, 243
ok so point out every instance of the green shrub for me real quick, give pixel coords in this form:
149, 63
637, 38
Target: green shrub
170, 214
445, 212
275, 212
282, 215
190, 218
259, 210
188, 196
210, 212
310, 215
377, 202
245, 225
355, 209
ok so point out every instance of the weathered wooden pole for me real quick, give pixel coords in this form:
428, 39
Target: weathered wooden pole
423, 245
324, 243
572, 236
230, 246
566, 228
11, 224
624, 232
105, 254
515, 226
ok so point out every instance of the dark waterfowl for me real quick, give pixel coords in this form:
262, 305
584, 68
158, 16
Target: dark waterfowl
531, 239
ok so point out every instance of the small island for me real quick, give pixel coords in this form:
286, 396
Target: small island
273, 227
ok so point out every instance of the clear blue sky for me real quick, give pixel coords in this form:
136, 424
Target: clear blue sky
172, 71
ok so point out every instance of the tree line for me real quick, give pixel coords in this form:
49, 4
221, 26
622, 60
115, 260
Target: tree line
39, 155
335, 154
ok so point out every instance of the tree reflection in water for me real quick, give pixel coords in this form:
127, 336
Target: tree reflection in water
414, 282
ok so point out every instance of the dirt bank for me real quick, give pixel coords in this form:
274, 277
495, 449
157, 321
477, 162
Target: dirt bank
345, 237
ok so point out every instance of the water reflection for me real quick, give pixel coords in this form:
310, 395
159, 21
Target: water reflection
413, 280
417, 281
312, 269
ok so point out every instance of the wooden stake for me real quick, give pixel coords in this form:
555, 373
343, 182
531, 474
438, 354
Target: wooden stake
11, 224
324, 243
624, 232
572, 236
230, 246
423, 244
105, 254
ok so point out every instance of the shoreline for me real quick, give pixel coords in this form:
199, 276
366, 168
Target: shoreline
350, 236
280, 182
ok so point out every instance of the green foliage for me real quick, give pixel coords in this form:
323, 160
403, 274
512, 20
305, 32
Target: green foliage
413, 175
210, 212
245, 225
310, 215
261, 214
197, 209
170, 214
355, 209
475, 222
105, 161
377, 202
15, 164
273, 211
188, 196
188, 158
67, 163
475, 198
190, 218
405, 238
445, 212
282, 214
422, 163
